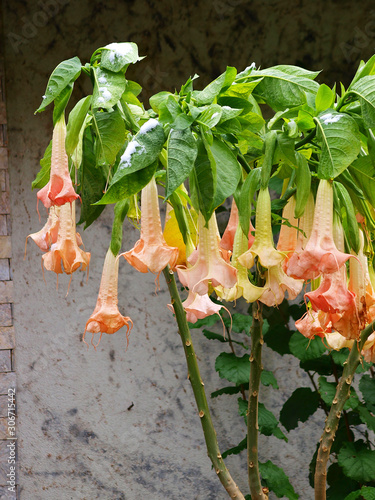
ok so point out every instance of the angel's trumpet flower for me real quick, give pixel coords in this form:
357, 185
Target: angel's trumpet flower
199, 307
227, 241
288, 234
65, 255
209, 265
243, 288
59, 190
314, 323
320, 255
263, 245
277, 283
151, 252
48, 234
106, 317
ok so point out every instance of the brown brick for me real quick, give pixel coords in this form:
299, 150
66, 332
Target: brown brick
4, 269
3, 226
7, 381
5, 247
6, 315
4, 180
3, 158
5, 361
4, 455
7, 338
6, 292
4, 202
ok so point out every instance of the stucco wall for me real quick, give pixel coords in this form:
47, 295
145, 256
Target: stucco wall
123, 425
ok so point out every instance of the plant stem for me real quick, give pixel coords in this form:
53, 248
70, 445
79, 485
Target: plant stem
255, 485
306, 139
332, 421
199, 393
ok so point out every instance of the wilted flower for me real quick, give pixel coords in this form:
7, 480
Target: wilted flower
151, 251
106, 317
59, 190
314, 323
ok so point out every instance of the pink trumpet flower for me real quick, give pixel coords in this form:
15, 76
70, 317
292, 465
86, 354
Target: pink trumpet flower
48, 234
288, 235
277, 283
314, 323
59, 190
263, 245
210, 265
106, 317
227, 241
151, 252
199, 307
65, 251
243, 288
320, 255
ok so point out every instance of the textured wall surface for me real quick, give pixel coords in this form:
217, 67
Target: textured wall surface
112, 424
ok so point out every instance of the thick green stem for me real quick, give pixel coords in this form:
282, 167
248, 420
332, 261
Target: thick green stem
256, 490
332, 421
199, 393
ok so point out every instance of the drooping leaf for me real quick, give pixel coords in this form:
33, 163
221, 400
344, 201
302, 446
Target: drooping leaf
182, 151
277, 481
61, 102
76, 120
108, 88
299, 407
116, 56
249, 187
236, 449
363, 172
110, 136
338, 135
364, 90
203, 183
233, 368
303, 184
64, 74
357, 461
305, 349
43, 175
216, 336
268, 378
226, 390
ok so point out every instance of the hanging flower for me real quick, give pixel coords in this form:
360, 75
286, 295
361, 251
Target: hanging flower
243, 288
314, 323
288, 235
263, 245
151, 252
277, 283
199, 307
336, 341
227, 241
59, 190
65, 254
209, 265
320, 255
106, 317
48, 234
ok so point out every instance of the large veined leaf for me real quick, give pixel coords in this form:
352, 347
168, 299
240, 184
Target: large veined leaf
364, 88
76, 119
210, 116
339, 137
363, 172
357, 461
108, 89
116, 56
299, 407
208, 94
141, 152
233, 368
110, 136
280, 89
64, 74
203, 183
277, 481
182, 151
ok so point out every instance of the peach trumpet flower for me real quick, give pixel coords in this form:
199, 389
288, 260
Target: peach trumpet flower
65, 254
288, 235
106, 317
209, 265
263, 245
199, 306
314, 323
151, 251
227, 240
243, 288
277, 283
59, 189
46, 236
321, 254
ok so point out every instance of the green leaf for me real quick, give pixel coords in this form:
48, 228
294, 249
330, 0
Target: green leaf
305, 349
110, 136
325, 98
268, 378
303, 184
268, 424
367, 387
340, 142
116, 56
208, 321
299, 407
64, 74
120, 211
226, 390
76, 120
365, 91
233, 368
350, 221
210, 116
249, 187
93, 181
322, 365
108, 88
285, 150
352, 496
242, 90
236, 449
182, 151
216, 336
241, 323
366, 417
277, 338
208, 94
368, 492
357, 461
363, 172
203, 183
228, 171
142, 151
327, 392
270, 145
43, 175
277, 481
61, 102
340, 485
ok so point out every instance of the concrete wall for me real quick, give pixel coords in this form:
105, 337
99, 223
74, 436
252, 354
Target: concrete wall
112, 424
